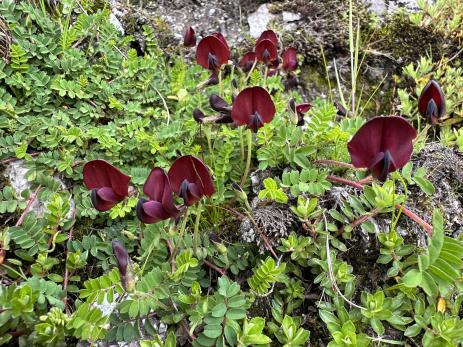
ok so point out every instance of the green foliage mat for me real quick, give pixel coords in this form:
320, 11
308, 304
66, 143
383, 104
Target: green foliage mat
72, 91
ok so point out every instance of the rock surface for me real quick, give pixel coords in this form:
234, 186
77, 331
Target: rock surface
15, 172
259, 20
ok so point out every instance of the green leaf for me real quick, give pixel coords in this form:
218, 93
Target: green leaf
412, 278
219, 310
212, 331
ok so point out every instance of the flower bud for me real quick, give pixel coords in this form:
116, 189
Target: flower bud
124, 266
189, 39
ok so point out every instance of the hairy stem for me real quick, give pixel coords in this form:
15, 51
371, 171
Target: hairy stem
180, 236
334, 163
28, 206
248, 159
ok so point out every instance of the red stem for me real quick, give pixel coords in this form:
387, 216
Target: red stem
28, 206
12, 159
426, 226
216, 268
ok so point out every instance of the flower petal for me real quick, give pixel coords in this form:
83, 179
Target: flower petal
289, 59
190, 193
122, 257
212, 46
303, 108
189, 39
155, 184
221, 38
247, 61
268, 35
100, 204
252, 100
381, 134
218, 104
266, 51
433, 91
99, 174
150, 212
194, 171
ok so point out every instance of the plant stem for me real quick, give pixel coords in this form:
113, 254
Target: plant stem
220, 83
248, 159
180, 235
344, 181
196, 231
207, 132
334, 163
241, 142
426, 226
250, 72
216, 268
360, 220
28, 206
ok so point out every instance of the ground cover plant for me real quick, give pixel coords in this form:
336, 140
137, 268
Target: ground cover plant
199, 198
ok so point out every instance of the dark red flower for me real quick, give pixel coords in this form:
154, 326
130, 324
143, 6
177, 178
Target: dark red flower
268, 35
189, 39
212, 52
253, 107
160, 206
383, 145
190, 179
431, 103
247, 61
109, 186
299, 111
266, 51
289, 59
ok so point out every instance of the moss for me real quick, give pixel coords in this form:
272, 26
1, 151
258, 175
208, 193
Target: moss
405, 41
324, 24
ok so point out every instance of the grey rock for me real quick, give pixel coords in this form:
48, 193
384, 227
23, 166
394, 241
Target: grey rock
290, 16
383, 7
259, 20
16, 172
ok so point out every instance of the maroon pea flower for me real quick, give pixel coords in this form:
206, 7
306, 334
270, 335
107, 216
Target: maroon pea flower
109, 186
268, 35
299, 111
212, 52
431, 103
289, 59
190, 179
160, 206
247, 61
266, 52
383, 145
253, 107
189, 39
